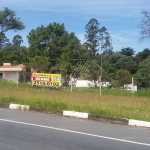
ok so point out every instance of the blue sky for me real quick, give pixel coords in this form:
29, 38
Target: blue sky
120, 17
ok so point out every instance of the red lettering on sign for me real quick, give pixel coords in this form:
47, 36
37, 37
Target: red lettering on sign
34, 78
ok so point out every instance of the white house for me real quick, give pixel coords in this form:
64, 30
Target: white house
11, 73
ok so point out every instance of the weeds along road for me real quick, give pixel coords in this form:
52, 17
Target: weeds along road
21, 130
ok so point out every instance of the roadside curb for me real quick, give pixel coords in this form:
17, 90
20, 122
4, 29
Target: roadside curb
83, 115
108, 119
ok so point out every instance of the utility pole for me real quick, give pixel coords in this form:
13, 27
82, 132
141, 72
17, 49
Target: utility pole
100, 85
132, 87
100, 78
71, 81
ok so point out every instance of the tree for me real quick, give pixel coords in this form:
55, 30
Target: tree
13, 52
92, 35
39, 63
54, 42
9, 21
105, 40
115, 57
96, 37
3, 40
143, 73
128, 51
143, 55
122, 61
145, 26
17, 40
123, 76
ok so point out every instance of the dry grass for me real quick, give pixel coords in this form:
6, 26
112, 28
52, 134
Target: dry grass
115, 106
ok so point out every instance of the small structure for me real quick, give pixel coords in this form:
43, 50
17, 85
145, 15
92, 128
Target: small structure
11, 73
103, 84
130, 87
84, 84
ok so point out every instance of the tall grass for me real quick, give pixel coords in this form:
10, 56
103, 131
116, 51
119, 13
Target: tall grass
115, 103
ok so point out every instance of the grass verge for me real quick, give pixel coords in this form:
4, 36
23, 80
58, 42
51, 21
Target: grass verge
110, 105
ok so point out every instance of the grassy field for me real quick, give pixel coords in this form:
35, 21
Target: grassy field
115, 103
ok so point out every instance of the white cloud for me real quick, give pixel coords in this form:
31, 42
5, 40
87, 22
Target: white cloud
120, 38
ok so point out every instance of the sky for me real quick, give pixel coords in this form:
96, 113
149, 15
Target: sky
120, 17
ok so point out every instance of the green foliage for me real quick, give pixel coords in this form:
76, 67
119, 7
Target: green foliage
97, 38
143, 73
14, 52
3, 41
92, 35
115, 57
143, 55
105, 42
51, 47
123, 76
17, 40
9, 21
53, 42
113, 102
128, 51
40, 63
122, 61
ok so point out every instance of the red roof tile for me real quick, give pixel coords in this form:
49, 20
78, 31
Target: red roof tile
8, 66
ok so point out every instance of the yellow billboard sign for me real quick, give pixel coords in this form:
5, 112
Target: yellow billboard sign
46, 80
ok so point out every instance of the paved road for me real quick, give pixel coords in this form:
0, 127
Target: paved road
20, 130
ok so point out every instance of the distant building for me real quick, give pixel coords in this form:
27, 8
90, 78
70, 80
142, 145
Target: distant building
11, 73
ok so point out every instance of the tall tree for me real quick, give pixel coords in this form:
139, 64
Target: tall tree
145, 26
106, 42
17, 40
98, 38
8, 21
92, 35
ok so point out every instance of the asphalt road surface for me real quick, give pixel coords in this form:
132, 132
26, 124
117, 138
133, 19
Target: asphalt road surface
21, 130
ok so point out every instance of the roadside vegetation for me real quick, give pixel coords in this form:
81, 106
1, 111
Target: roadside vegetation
51, 45
114, 103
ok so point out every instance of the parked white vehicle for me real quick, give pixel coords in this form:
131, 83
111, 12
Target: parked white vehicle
103, 84
130, 87
84, 84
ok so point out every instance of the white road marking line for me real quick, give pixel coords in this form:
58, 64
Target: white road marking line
71, 131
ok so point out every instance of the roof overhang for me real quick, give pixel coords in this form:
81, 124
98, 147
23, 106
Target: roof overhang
10, 69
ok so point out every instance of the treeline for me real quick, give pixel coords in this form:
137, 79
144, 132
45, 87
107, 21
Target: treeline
53, 44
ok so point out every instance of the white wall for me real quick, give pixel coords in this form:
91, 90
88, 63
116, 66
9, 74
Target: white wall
11, 76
